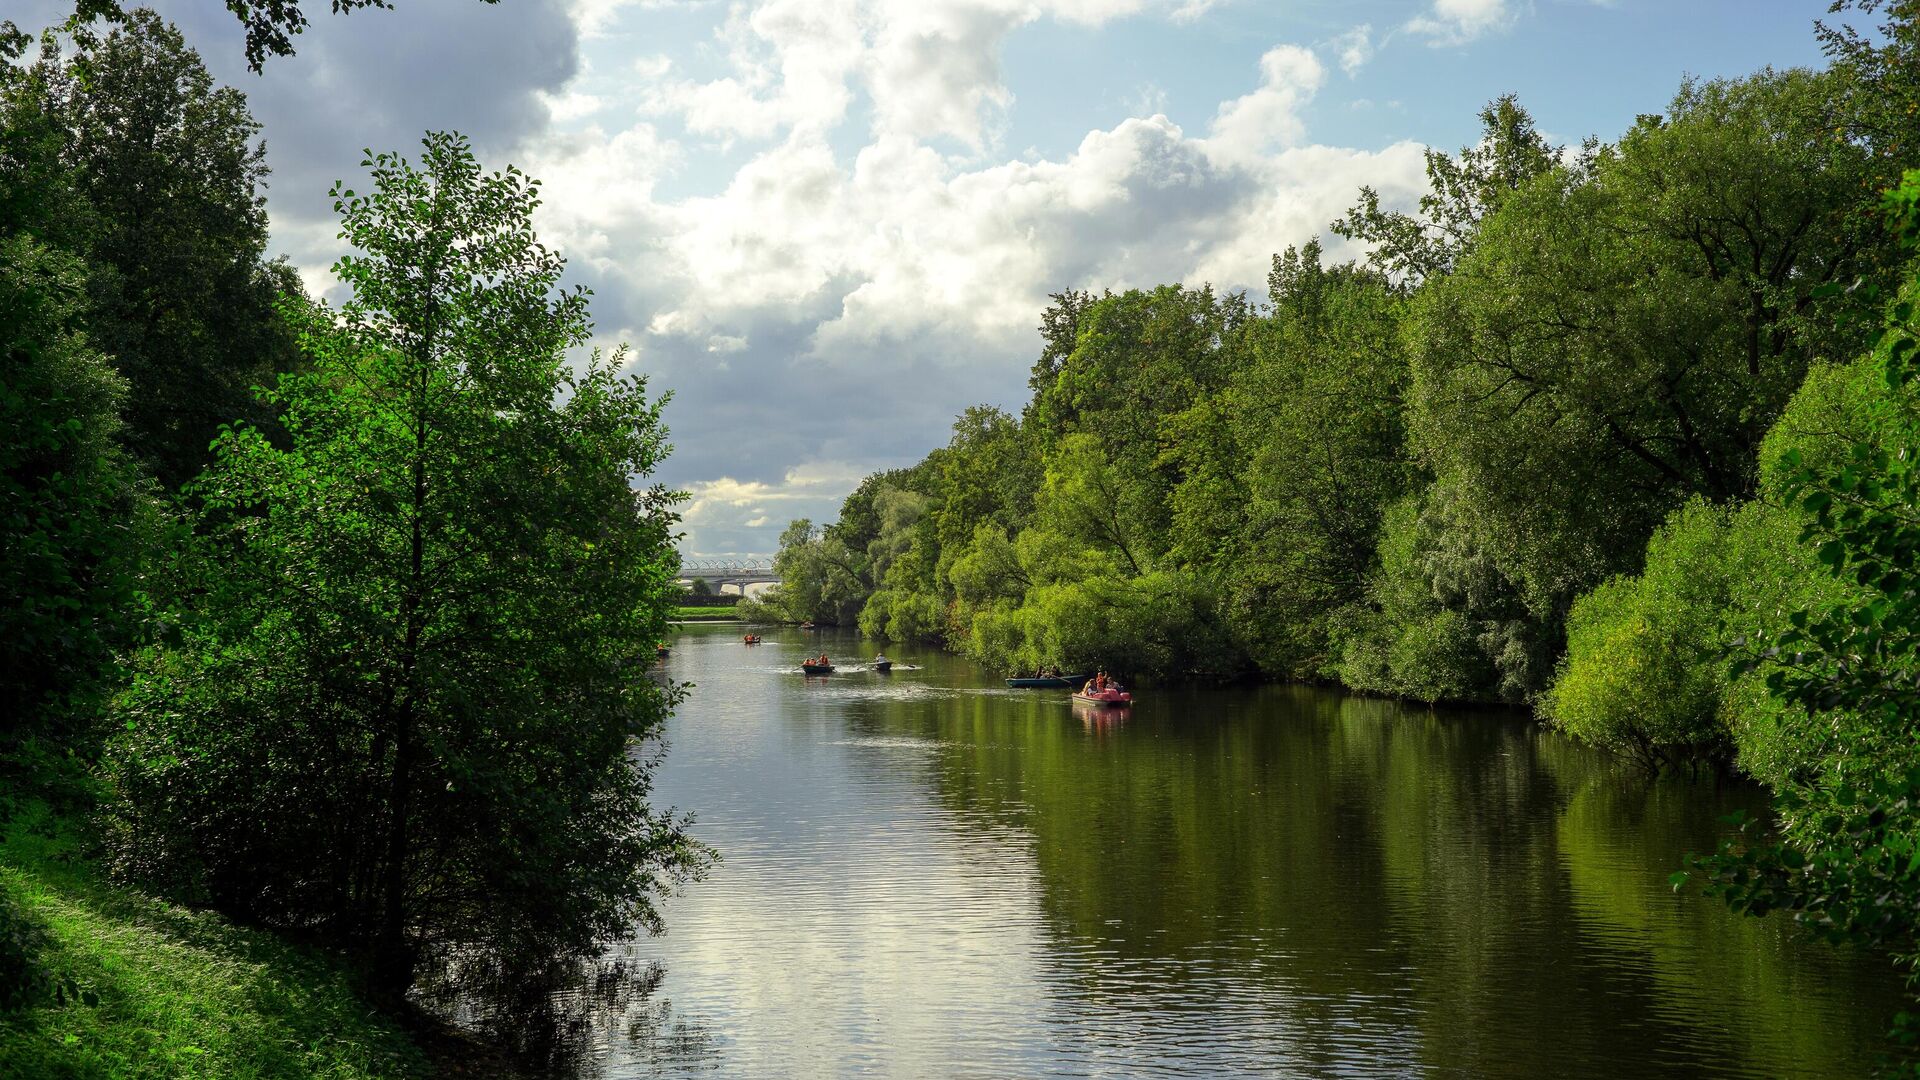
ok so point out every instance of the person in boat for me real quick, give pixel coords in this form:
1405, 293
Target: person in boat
880, 658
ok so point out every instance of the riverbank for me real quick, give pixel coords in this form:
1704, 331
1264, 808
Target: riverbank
97, 980
704, 614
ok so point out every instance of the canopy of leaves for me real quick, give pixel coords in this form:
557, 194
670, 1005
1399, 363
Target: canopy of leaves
429, 610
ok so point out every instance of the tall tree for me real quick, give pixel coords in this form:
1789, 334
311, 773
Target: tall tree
1461, 192
271, 25
170, 171
411, 679
1624, 330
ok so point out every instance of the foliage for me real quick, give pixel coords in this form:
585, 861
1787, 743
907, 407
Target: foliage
1644, 671
1618, 337
429, 610
69, 505
271, 25
1850, 862
1462, 191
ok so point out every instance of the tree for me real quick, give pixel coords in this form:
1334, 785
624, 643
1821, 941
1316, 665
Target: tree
1849, 865
1315, 427
408, 687
1462, 192
169, 171
271, 25
69, 506
1623, 332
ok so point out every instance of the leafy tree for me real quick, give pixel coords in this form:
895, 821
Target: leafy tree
821, 579
1624, 331
271, 25
1850, 863
1879, 99
169, 170
69, 506
1308, 448
407, 684
1462, 191
1644, 672
1139, 358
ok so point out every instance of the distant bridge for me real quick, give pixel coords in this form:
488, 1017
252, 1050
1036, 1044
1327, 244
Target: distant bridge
737, 573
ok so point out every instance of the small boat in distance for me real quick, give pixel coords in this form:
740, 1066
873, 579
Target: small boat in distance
881, 664
818, 665
1109, 696
663, 650
1037, 682
808, 626
750, 639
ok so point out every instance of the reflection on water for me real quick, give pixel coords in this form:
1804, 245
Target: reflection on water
928, 875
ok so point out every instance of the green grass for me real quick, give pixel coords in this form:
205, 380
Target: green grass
135, 987
705, 614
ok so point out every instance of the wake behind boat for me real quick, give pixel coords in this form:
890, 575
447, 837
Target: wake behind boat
1043, 682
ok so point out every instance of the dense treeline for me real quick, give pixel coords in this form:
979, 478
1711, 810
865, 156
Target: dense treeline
1622, 432
334, 617
1403, 474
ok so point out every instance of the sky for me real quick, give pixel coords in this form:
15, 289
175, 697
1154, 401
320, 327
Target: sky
828, 226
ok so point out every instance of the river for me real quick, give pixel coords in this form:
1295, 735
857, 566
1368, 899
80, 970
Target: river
928, 875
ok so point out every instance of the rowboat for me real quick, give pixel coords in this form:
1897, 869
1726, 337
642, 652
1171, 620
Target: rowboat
817, 669
1049, 682
883, 666
1104, 697
751, 639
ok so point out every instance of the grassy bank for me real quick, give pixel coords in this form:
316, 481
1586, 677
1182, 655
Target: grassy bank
118, 984
705, 614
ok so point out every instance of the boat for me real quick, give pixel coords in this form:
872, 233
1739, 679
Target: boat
1104, 697
817, 669
663, 650
1049, 682
750, 639
882, 665
807, 626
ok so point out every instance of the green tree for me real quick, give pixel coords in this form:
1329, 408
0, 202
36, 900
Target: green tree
1849, 866
1461, 192
1624, 331
1308, 449
271, 25
169, 171
70, 508
408, 683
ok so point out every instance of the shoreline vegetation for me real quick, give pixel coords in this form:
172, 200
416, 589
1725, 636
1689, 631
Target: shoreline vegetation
1623, 433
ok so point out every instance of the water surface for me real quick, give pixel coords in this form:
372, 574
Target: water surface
928, 875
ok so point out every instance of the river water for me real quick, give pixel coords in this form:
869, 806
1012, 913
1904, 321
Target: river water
927, 875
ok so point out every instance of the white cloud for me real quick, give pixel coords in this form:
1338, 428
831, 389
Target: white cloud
827, 304
1250, 126
816, 308
1353, 48
1456, 22
1192, 10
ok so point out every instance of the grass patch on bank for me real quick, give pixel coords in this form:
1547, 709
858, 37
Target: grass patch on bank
705, 614
101, 981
